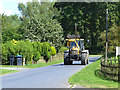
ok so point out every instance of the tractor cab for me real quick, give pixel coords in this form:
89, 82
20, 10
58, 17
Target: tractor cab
75, 44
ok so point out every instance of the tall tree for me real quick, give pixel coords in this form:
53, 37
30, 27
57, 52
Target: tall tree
39, 23
113, 39
10, 28
91, 20
0, 35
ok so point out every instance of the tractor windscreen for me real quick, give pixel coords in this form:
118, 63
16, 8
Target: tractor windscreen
78, 43
72, 44
82, 45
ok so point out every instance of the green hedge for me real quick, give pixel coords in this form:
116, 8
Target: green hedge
29, 50
62, 49
53, 51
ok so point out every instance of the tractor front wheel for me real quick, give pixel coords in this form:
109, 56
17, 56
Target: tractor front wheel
67, 61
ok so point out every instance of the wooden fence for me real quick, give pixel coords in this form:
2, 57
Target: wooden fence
110, 68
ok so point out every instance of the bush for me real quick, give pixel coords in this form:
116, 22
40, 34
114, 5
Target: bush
47, 57
20, 48
8, 49
62, 49
4, 54
14, 41
53, 51
46, 49
37, 50
11, 48
113, 40
29, 50
36, 56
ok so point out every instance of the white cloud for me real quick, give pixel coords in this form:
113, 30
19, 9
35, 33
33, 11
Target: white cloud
1, 10
23, 1
6, 12
10, 11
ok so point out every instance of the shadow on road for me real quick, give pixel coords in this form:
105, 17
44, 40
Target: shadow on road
91, 59
65, 65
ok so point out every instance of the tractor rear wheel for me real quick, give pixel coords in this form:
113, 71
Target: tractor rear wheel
87, 61
84, 60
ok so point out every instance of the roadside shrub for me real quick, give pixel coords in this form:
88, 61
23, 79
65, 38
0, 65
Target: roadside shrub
25, 49
28, 52
20, 48
53, 51
35, 45
8, 49
14, 41
37, 50
62, 49
36, 56
46, 49
4, 54
11, 48
47, 57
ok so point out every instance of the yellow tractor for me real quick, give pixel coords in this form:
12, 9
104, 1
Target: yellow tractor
76, 51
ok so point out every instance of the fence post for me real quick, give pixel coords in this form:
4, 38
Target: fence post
118, 68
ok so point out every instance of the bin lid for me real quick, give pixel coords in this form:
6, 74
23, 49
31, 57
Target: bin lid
19, 56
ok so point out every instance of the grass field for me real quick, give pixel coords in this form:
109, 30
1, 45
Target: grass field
88, 77
6, 71
42, 64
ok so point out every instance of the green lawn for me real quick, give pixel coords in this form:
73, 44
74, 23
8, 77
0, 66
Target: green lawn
95, 55
88, 77
113, 60
6, 71
35, 65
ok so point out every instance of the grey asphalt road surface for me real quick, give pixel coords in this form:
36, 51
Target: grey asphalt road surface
54, 76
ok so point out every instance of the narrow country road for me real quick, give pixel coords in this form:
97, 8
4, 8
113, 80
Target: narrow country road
54, 76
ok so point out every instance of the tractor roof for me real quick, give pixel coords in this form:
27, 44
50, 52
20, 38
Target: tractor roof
74, 40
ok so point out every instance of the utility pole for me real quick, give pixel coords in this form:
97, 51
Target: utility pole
106, 33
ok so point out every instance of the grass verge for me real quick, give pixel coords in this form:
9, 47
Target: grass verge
88, 77
35, 65
95, 55
6, 71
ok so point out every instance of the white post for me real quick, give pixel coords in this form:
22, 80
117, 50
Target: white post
116, 52
23, 61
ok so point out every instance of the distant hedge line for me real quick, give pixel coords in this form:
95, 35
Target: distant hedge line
29, 50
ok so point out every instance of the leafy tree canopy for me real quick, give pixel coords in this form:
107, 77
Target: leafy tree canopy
39, 23
10, 28
90, 18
